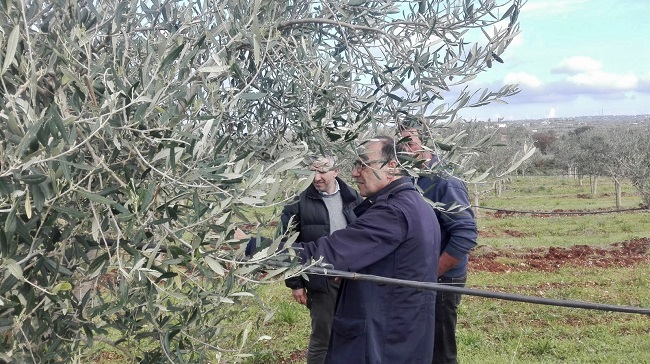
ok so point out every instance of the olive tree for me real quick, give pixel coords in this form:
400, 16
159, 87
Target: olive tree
616, 151
137, 135
630, 158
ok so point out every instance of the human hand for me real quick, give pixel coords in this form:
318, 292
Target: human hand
300, 295
239, 234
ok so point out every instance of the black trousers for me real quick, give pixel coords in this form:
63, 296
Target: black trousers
444, 351
321, 310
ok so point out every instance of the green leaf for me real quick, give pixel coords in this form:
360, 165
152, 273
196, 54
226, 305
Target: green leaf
98, 263
37, 196
243, 336
251, 201
6, 186
29, 137
28, 205
214, 69
33, 179
289, 165
214, 265
14, 268
395, 97
70, 211
96, 198
509, 11
172, 56
62, 287
12, 45
253, 95
10, 222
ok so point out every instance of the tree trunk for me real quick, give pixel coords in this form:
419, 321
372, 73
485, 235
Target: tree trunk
594, 185
617, 188
475, 199
497, 188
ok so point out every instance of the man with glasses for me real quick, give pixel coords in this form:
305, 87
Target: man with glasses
393, 236
324, 207
459, 234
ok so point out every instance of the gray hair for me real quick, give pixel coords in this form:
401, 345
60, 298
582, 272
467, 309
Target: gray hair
332, 160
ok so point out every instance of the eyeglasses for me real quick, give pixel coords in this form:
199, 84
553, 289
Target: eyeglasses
359, 165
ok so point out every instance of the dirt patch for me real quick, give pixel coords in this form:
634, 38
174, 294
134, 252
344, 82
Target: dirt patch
298, 356
624, 254
487, 234
515, 234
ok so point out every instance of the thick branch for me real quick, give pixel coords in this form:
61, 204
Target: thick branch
291, 23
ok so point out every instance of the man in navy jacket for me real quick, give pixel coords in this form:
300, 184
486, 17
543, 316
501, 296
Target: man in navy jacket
395, 235
459, 234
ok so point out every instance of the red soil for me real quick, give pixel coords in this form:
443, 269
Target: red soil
625, 254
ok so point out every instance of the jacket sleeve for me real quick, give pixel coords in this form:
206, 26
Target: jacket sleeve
373, 236
458, 221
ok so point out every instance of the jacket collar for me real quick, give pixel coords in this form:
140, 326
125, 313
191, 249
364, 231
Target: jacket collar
401, 184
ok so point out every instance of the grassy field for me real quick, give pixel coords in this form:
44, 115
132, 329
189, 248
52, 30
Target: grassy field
492, 331
496, 331
564, 195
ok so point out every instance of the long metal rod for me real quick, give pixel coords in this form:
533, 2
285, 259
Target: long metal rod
478, 292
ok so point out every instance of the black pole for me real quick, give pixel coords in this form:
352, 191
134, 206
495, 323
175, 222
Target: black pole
478, 292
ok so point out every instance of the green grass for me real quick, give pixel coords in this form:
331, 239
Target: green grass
559, 193
289, 327
526, 231
494, 331
546, 194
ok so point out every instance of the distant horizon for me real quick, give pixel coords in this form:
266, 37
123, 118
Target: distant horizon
569, 117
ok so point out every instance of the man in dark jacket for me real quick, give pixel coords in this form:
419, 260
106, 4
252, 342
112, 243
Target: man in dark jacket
393, 236
459, 234
324, 207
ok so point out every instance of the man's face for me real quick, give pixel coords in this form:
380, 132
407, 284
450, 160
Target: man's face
371, 171
325, 177
415, 144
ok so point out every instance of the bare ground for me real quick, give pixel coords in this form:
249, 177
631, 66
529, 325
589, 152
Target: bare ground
623, 254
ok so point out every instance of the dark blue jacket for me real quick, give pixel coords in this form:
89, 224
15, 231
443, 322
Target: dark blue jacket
458, 228
311, 220
393, 236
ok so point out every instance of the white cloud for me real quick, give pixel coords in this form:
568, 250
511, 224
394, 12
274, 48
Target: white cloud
600, 79
523, 79
578, 64
587, 73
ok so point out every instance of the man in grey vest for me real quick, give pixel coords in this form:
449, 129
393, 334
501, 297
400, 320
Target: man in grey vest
325, 206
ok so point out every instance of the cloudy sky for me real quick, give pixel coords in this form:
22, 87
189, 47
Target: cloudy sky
574, 58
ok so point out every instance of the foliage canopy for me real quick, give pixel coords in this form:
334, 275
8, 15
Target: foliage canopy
135, 134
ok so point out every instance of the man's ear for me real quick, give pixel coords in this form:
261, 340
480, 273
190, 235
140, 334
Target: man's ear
393, 168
